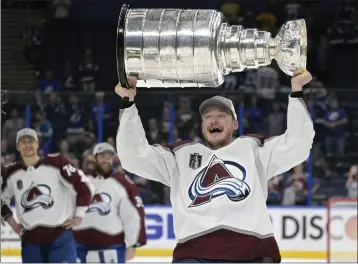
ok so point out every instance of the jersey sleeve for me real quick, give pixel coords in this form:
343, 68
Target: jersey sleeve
77, 181
6, 211
136, 155
131, 211
7, 191
280, 154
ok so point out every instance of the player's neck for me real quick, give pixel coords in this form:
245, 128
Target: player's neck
218, 146
31, 161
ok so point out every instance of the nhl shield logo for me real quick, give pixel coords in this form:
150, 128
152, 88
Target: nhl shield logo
195, 161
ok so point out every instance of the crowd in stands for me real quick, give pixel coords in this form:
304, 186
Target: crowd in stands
65, 105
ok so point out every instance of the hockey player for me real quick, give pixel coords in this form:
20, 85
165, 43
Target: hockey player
6, 212
114, 223
51, 197
219, 190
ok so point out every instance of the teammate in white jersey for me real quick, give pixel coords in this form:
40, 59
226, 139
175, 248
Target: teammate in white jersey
51, 197
114, 223
219, 190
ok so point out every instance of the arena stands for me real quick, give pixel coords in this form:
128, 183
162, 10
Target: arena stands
63, 85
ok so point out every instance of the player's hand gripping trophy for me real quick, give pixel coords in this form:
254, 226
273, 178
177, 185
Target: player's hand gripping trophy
196, 48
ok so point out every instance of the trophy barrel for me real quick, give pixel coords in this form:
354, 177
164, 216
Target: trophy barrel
168, 47
196, 48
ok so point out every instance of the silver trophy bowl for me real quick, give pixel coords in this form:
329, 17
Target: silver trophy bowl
196, 47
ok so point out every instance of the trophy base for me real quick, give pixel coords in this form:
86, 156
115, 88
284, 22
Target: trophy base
122, 76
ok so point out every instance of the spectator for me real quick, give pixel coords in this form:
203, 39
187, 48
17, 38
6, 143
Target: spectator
275, 123
44, 131
76, 120
106, 113
33, 46
335, 121
65, 150
322, 56
48, 85
76, 163
267, 22
111, 141
267, 82
231, 10
194, 136
68, 77
293, 11
296, 192
321, 167
7, 157
79, 138
249, 83
88, 72
275, 190
56, 114
253, 114
231, 82
89, 164
165, 120
10, 128
185, 116
154, 136
61, 8
176, 137
351, 183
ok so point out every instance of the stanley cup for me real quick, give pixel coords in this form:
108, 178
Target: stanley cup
196, 48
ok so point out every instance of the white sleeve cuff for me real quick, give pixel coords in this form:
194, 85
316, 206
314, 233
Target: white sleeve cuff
81, 211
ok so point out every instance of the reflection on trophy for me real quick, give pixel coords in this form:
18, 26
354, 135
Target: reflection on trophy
196, 48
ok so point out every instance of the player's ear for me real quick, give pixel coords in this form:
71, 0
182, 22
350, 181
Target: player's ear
37, 145
235, 124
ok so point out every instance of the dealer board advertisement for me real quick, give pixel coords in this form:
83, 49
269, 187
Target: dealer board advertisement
299, 231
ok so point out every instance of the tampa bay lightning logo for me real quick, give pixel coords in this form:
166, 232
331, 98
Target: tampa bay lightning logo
38, 195
101, 203
216, 180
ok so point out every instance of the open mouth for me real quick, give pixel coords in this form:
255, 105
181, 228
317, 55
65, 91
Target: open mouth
215, 130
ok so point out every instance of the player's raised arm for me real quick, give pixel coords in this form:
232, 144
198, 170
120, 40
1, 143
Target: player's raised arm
281, 153
76, 180
136, 155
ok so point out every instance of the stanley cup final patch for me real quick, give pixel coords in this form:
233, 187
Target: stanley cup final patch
19, 184
195, 161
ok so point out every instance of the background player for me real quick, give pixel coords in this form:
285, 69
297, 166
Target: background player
219, 191
115, 219
47, 193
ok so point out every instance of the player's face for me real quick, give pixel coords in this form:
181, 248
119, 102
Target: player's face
28, 147
105, 160
218, 127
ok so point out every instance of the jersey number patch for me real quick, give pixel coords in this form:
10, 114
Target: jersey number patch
69, 169
138, 201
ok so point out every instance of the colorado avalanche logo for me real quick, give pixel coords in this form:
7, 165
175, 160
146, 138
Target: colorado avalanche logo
38, 195
216, 180
101, 203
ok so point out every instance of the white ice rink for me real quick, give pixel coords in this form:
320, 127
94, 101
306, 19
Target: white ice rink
148, 259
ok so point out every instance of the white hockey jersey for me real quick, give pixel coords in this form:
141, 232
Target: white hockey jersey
115, 216
46, 195
217, 189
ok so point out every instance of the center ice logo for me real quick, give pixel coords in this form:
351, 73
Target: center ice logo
101, 203
38, 195
216, 180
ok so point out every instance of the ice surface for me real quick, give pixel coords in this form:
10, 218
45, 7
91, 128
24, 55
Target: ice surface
6, 259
